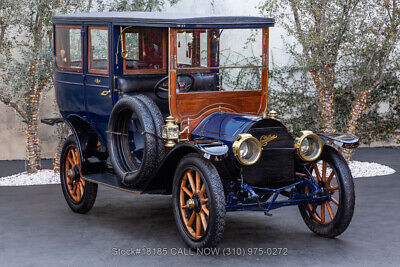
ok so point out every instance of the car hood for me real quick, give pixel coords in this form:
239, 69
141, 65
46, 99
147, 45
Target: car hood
223, 126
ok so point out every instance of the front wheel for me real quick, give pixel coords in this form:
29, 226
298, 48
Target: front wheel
198, 202
332, 217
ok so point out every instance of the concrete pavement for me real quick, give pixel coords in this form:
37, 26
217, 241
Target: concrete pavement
38, 228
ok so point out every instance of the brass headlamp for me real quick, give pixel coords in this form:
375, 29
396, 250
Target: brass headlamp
247, 149
308, 146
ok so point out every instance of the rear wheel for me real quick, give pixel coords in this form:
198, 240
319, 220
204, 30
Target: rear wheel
332, 217
198, 202
79, 194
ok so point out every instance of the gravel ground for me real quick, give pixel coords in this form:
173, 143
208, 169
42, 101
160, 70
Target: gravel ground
359, 169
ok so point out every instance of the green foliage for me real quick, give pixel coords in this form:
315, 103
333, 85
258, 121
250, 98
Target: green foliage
381, 121
345, 55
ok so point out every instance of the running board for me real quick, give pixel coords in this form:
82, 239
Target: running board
110, 180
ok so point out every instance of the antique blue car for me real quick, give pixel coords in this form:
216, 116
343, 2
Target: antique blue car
176, 104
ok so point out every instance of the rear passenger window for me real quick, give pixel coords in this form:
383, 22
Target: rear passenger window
144, 50
68, 48
98, 50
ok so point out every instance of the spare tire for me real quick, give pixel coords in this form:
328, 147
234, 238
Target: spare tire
132, 144
158, 123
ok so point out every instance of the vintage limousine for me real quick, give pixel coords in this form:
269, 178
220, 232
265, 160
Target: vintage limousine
167, 104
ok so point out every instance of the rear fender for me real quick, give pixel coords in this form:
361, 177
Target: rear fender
85, 137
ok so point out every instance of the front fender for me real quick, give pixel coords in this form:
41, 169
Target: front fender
163, 176
343, 140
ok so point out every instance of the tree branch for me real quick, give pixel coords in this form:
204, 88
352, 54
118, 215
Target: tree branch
7, 101
2, 34
299, 29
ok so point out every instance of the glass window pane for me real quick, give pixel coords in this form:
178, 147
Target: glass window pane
223, 59
192, 48
68, 48
132, 45
145, 50
98, 58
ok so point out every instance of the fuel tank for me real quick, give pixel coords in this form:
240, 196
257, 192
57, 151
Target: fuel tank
277, 162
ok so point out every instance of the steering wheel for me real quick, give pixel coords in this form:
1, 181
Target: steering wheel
184, 84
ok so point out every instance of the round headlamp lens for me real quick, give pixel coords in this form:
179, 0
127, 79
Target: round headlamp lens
309, 146
247, 149
244, 150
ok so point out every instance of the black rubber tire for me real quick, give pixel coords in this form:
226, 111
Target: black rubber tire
158, 123
345, 210
215, 193
89, 196
118, 144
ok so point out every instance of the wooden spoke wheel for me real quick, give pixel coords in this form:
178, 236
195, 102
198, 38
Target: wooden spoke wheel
324, 175
75, 183
193, 203
79, 194
198, 201
332, 174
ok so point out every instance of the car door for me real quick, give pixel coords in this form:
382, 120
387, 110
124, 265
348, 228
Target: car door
68, 71
99, 102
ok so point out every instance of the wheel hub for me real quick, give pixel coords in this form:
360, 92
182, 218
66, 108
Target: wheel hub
194, 203
71, 173
191, 204
74, 174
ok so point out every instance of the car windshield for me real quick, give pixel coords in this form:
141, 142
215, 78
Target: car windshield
225, 59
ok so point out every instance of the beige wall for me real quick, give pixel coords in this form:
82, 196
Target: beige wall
12, 131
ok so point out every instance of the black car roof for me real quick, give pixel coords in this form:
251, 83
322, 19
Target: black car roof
158, 19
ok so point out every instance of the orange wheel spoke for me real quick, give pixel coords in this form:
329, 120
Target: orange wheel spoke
335, 201
334, 188
190, 178
197, 182
328, 206
187, 191
191, 220
328, 182
323, 212
73, 156
70, 160
82, 189
203, 220
184, 207
83, 182
77, 156
202, 190
77, 191
198, 225
204, 208
204, 200
314, 208
317, 172
323, 170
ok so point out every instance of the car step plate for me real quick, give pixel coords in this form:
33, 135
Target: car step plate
110, 180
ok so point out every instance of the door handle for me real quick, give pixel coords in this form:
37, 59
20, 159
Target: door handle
105, 93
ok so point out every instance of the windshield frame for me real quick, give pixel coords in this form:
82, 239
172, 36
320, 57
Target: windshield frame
192, 106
